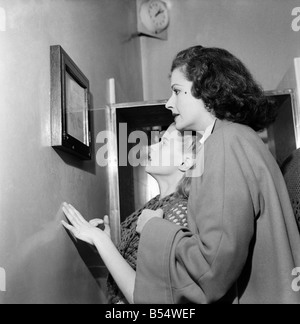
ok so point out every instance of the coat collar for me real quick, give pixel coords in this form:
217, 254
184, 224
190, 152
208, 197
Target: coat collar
221, 124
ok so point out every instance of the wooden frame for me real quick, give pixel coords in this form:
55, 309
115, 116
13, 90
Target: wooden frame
70, 111
282, 134
112, 113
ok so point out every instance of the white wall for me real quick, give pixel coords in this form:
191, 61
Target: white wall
258, 32
41, 262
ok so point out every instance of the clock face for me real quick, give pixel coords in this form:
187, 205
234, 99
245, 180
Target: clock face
158, 13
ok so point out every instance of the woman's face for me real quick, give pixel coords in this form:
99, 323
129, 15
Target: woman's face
166, 156
190, 113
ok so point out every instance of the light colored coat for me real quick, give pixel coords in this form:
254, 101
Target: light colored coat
242, 243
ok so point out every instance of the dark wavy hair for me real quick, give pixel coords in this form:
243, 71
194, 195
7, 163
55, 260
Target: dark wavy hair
227, 88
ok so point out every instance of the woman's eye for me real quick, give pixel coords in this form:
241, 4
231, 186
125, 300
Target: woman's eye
176, 91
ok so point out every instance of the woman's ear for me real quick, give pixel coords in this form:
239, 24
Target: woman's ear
187, 164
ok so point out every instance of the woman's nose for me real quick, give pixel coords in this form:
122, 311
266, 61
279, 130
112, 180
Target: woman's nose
170, 104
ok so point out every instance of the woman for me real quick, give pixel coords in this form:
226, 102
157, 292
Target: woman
168, 162
242, 243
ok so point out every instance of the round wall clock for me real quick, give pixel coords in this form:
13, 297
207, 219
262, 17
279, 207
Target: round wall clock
155, 16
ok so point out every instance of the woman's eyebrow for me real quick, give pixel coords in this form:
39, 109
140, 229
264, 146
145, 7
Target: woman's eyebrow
175, 85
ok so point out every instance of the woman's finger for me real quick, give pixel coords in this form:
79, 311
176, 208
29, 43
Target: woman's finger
138, 228
106, 220
107, 229
96, 222
69, 227
71, 217
160, 213
77, 213
106, 224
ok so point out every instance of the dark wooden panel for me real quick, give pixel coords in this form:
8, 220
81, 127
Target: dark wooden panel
137, 118
146, 116
281, 134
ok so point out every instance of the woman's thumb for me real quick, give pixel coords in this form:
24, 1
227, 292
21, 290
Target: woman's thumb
106, 220
96, 222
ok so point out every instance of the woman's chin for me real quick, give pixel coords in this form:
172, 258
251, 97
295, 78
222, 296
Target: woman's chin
154, 171
179, 125
182, 126
150, 170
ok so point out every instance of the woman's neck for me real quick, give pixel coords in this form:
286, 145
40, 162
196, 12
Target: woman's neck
168, 185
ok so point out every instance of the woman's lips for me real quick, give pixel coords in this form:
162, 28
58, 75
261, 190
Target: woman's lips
175, 116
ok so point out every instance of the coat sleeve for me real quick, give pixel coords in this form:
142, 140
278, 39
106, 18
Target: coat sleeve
201, 264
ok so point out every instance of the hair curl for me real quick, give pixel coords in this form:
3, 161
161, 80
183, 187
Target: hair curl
227, 88
184, 185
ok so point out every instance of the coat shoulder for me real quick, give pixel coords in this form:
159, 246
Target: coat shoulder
235, 131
